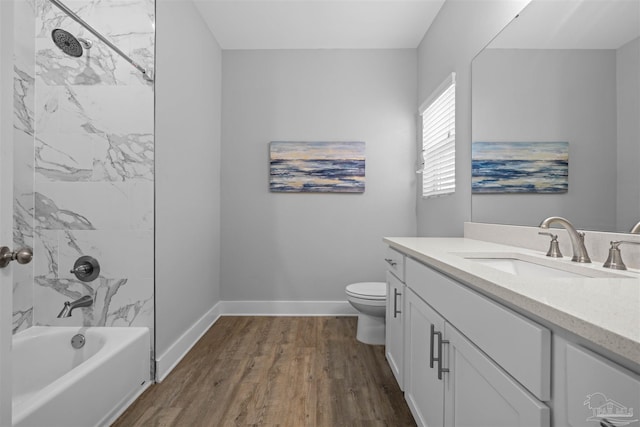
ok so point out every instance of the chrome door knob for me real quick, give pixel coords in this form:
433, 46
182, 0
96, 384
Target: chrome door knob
23, 256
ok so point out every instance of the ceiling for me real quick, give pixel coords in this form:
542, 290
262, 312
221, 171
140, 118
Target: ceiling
313, 24
572, 24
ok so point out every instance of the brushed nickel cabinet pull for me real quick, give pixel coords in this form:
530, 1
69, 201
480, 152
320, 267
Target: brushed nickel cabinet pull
395, 302
431, 358
441, 370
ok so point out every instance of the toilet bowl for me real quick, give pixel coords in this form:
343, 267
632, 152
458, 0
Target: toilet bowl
370, 299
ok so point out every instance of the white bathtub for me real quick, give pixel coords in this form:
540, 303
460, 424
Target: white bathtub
57, 385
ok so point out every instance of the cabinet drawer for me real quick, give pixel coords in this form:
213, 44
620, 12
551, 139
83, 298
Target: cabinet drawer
395, 262
597, 388
518, 345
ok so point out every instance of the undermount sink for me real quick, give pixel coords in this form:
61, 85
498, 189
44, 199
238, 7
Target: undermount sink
525, 268
530, 266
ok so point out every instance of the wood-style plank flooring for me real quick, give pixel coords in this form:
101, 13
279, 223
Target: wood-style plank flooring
276, 371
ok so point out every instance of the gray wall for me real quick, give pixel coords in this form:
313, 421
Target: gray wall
628, 108
551, 95
293, 246
188, 111
459, 32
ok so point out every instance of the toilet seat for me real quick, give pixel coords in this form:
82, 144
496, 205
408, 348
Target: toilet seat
375, 291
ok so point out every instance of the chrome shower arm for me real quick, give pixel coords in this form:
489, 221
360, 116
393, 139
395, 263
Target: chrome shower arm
102, 38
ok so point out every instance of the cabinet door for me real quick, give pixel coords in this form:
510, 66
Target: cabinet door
424, 392
478, 393
597, 390
394, 336
490, 326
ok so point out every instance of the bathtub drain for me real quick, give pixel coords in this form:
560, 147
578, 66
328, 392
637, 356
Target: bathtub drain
77, 341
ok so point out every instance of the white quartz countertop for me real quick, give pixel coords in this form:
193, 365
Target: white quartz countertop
602, 310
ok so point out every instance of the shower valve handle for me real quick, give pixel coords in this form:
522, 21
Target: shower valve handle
82, 269
86, 268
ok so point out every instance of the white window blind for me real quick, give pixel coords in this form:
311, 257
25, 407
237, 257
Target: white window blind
439, 140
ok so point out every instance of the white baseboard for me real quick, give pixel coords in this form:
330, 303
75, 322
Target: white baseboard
287, 308
174, 354
170, 358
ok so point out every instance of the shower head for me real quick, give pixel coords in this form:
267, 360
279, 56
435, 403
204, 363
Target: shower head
67, 42
72, 46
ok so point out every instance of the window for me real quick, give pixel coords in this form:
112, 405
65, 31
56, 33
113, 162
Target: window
439, 140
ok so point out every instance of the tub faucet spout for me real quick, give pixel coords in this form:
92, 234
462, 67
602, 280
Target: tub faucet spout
577, 239
85, 301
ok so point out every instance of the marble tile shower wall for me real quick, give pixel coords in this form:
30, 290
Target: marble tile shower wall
84, 165
23, 135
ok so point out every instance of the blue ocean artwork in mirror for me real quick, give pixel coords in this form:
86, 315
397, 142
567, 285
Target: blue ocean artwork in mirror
519, 167
317, 167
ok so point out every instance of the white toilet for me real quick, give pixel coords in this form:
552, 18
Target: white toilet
370, 299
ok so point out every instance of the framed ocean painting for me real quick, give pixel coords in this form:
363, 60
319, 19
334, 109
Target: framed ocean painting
317, 167
519, 167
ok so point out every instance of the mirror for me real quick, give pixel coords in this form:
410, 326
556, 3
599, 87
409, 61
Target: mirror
562, 71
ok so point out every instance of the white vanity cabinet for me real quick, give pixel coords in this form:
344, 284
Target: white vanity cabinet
450, 382
474, 356
479, 393
394, 329
395, 263
394, 332
590, 389
469, 361
423, 391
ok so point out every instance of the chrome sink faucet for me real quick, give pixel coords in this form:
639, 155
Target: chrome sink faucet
577, 239
85, 301
635, 229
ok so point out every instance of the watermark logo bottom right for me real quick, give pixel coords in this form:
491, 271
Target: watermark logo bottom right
608, 409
